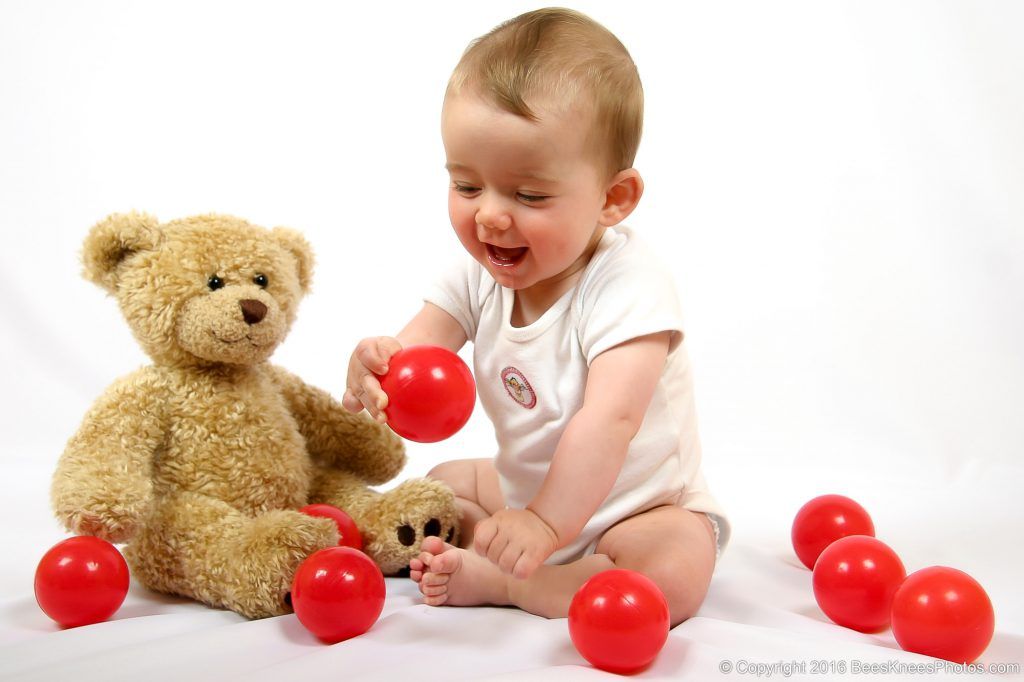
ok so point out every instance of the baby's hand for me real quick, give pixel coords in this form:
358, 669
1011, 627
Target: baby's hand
362, 387
516, 540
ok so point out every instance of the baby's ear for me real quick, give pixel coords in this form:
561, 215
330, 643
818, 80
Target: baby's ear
112, 240
297, 245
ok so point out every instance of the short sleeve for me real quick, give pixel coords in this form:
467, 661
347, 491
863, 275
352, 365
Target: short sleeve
629, 295
457, 291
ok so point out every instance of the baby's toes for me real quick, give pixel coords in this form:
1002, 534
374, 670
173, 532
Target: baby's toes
425, 558
434, 579
447, 562
438, 599
432, 545
433, 590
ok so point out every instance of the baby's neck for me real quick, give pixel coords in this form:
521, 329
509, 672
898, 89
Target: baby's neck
531, 303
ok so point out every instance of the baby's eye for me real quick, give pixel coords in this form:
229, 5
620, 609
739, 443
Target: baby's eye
215, 282
531, 198
465, 189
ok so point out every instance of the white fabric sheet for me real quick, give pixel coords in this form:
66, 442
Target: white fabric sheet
760, 610
837, 187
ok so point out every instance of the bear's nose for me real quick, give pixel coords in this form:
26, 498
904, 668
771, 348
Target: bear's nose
253, 311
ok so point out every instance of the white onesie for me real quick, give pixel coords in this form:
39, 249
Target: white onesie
531, 381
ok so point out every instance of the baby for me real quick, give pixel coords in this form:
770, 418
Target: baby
578, 352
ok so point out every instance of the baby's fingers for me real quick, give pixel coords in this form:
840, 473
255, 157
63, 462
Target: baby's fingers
524, 566
483, 535
509, 558
372, 398
351, 403
386, 347
375, 353
499, 550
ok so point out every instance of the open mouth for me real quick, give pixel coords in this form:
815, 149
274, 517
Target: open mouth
505, 258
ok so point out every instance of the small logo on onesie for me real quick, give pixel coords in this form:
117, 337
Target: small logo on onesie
518, 387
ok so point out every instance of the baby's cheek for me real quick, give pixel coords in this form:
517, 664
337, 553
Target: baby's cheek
565, 249
463, 223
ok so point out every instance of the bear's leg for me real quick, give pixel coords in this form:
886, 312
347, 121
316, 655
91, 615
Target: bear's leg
393, 523
203, 548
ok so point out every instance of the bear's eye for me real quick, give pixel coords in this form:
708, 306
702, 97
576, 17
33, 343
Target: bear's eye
261, 280
215, 282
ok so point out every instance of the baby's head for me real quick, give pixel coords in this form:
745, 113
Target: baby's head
560, 62
541, 123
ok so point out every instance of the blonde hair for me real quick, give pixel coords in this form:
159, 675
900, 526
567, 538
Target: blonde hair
558, 57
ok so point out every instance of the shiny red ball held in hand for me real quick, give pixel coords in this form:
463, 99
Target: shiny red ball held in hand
430, 392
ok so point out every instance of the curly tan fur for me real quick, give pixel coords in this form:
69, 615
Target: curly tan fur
200, 460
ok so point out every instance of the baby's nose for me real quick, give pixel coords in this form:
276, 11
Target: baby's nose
493, 214
494, 220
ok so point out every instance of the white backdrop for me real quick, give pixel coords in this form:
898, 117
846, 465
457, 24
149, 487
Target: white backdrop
837, 185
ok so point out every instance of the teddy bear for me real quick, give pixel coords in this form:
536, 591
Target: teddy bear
201, 460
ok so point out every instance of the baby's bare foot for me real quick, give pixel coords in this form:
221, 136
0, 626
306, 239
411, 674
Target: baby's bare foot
457, 577
431, 547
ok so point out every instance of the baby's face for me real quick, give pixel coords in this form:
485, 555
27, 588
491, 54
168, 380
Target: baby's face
525, 197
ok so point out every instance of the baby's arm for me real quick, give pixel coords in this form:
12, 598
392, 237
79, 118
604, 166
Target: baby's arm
586, 462
431, 325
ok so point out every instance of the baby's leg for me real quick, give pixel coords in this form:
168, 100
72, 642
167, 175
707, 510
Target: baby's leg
673, 547
460, 577
477, 493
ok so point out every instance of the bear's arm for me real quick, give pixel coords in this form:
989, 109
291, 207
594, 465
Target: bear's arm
102, 485
336, 437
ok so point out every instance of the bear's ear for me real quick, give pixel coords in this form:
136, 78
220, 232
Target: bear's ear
297, 245
114, 239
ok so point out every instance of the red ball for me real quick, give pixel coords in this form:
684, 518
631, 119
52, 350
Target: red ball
81, 580
338, 593
855, 579
618, 620
943, 612
350, 535
430, 392
824, 520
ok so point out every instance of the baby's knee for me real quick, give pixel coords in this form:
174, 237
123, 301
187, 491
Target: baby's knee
459, 474
684, 591
472, 480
